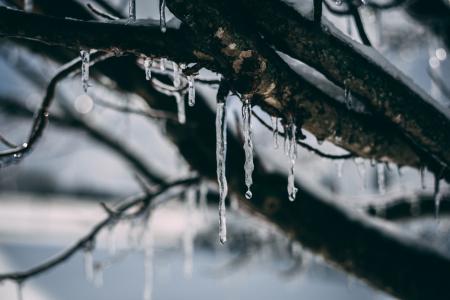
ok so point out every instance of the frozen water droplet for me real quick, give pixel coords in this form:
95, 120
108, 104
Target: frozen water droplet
162, 15
221, 150
181, 108
248, 194
381, 179
132, 10
148, 68
191, 90
28, 5
338, 2
85, 60
248, 144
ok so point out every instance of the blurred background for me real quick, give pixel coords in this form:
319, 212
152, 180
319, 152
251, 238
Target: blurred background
51, 198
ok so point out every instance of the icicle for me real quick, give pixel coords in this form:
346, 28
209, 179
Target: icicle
111, 240
361, 167
181, 109
381, 179
162, 64
148, 268
286, 140
349, 26
248, 147
191, 91
20, 290
221, 150
203, 200
148, 68
188, 238
85, 58
132, 10
28, 5
292, 190
98, 276
339, 167
274, 121
422, 178
437, 196
348, 98
88, 263
162, 15
176, 75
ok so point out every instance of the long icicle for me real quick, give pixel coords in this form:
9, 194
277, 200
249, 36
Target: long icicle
162, 15
248, 147
132, 10
221, 151
85, 60
292, 153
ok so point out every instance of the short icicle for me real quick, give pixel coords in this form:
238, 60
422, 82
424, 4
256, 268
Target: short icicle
89, 263
274, 121
162, 15
381, 179
437, 196
162, 64
148, 266
180, 107
28, 5
148, 68
85, 60
176, 75
132, 10
292, 154
191, 90
248, 147
221, 151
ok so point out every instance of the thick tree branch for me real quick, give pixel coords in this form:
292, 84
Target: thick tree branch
386, 92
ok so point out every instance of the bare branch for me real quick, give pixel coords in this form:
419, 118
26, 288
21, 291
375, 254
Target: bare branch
89, 238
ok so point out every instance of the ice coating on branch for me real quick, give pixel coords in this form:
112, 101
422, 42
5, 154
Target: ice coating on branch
221, 151
180, 108
292, 153
28, 5
274, 121
85, 58
162, 15
162, 64
148, 68
381, 179
191, 90
132, 10
248, 147
176, 74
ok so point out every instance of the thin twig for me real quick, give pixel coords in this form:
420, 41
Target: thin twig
100, 13
89, 238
